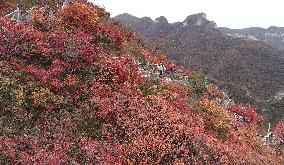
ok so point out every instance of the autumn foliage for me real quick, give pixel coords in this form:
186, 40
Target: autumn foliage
71, 92
279, 136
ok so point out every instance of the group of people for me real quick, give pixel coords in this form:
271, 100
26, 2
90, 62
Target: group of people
162, 69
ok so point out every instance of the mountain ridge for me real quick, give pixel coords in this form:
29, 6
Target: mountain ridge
272, 35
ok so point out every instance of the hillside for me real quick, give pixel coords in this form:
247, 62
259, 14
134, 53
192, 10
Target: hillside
77, 87
273, 35
251, 71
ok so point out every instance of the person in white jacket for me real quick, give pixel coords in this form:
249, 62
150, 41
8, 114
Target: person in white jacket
161, 69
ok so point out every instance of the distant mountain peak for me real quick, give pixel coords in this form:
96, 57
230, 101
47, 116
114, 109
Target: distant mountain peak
126, 15
198, 19
147, 19
161, 19
273, 35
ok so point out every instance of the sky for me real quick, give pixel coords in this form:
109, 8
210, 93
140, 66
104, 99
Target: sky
226, 13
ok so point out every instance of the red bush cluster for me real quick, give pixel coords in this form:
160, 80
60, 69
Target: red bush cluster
247, 113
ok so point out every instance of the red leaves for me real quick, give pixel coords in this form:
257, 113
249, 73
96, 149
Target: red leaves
5, 7
103, 153
73, 87
278, 133
58, 62
88, 52
76, 15
181, 104
246, 112
279, 129
56, 83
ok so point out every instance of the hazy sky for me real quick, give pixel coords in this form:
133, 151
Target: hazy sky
228, 13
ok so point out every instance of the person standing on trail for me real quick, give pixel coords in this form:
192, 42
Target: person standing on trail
172, 67
206, 84
268, 138
161, 69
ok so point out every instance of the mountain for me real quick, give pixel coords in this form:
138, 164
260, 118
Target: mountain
273, 35
251, 70
77, 87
